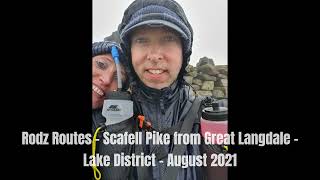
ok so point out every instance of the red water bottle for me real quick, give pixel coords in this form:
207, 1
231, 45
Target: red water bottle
214, 119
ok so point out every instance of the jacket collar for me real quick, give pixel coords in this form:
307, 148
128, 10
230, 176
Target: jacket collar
151, 94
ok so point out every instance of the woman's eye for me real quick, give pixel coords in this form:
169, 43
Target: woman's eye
101, 65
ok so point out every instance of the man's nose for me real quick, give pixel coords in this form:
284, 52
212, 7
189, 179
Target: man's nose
155, 53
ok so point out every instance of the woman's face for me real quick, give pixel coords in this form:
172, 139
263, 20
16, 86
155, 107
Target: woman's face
104, 78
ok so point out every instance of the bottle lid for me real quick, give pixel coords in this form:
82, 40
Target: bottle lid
215, 113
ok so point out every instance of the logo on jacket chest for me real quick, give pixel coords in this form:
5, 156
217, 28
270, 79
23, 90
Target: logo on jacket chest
113, 108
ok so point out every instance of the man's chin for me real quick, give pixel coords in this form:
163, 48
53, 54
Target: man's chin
156, 85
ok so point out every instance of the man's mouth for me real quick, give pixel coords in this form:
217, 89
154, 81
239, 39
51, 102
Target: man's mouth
97, 90
155, 71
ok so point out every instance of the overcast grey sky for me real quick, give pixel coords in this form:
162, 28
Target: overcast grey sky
208, 19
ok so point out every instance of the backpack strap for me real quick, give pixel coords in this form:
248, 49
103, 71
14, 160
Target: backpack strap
143, 172
187, 125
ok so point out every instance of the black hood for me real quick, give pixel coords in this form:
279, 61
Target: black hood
152, 11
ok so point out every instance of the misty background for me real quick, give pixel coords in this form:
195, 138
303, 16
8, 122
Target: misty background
208, 19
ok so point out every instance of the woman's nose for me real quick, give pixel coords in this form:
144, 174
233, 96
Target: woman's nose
106, 77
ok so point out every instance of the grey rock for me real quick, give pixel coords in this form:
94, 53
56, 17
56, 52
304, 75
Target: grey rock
223, 89
223, 69
195, 87
207, 85
217, 94
204, 93
189, 68
192, 73
197, 81
224, 82
188, 79
221, 83
221, 76
208, 69
206, 77
195, 69
205, 60
221, 66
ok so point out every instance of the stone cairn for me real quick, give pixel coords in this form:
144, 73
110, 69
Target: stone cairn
208, 79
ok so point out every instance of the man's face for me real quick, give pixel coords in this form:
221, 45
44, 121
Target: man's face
104, 78
156, 56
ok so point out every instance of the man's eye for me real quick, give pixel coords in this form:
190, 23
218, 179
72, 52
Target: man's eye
141, 40
101, 65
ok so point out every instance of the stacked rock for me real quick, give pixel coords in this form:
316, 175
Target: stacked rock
208, 79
